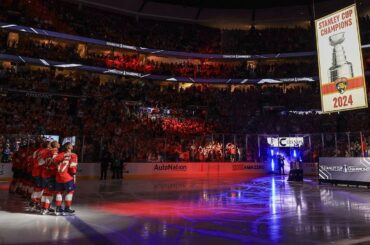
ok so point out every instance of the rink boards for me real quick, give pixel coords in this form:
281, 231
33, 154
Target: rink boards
168, 169
173, 169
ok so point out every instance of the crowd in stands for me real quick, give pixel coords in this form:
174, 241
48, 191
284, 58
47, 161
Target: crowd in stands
184, 126
196, 68
262, 42
139, 63
72, 18
46, 101
150, 120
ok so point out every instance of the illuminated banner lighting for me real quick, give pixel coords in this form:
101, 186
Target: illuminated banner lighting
342, 79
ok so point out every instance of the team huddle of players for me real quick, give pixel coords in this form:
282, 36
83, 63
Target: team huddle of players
42, 172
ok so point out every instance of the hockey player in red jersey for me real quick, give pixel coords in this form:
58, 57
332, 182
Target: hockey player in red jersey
36, 175
29, 186
66, 163
48, 171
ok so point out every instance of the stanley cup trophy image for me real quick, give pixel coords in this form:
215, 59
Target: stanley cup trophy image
341, 69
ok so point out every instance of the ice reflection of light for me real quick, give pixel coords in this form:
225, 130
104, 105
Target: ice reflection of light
272, 165
328, 230
145, 230
269, 209
348, 205
273, 197
55, 231
274, 220
205, 195
233, 195
164, 229
299, 212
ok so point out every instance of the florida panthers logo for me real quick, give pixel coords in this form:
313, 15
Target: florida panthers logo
341, 85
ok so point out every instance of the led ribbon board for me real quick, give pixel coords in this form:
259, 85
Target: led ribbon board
341, 71
344, 169
285, 141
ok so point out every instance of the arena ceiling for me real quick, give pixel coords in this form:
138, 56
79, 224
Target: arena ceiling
230, 14
238, 4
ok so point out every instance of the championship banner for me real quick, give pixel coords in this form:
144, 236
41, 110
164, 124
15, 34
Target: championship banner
342, 80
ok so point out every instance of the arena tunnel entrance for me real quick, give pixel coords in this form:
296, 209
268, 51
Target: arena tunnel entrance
282, 153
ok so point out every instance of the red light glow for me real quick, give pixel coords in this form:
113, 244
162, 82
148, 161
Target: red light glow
4, 187
158, 209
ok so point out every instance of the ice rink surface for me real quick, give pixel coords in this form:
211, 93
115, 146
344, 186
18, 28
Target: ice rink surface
248, 210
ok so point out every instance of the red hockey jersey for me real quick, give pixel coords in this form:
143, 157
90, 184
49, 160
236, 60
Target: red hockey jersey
48, 168
66, 166
36, 168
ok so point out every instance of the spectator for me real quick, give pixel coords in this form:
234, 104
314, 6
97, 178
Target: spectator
104, 164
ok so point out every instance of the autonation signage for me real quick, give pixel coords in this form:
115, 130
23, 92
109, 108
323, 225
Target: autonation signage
170, 167
285, 141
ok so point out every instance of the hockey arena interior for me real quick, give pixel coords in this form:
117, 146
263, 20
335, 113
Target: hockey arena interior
184, 122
